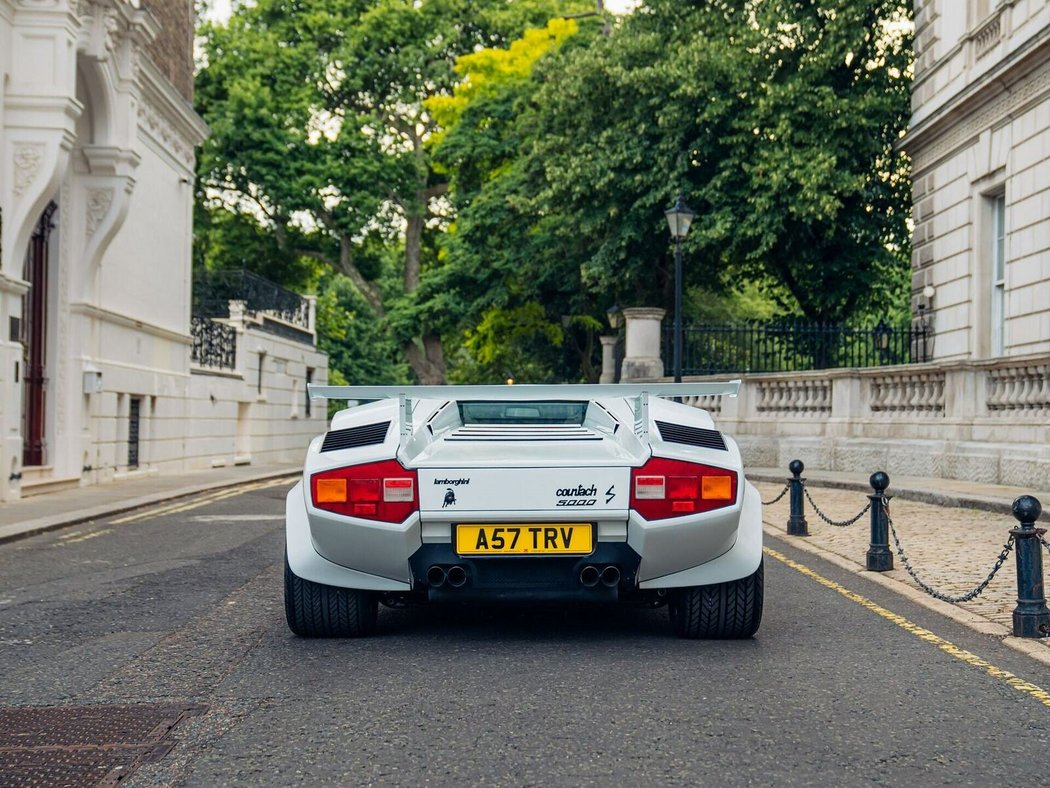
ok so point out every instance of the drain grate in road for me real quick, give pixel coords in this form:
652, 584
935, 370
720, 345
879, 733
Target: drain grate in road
84, 745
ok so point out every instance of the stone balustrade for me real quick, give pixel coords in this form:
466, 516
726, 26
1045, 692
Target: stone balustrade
986, 421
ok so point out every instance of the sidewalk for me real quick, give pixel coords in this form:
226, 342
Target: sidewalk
952, 533
58, 509
939, 492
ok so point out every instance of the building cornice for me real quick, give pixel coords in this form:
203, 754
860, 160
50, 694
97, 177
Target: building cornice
100, 313
18, 287
1009, 79
167, 117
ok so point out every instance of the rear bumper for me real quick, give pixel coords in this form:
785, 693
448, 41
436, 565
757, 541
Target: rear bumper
654, 556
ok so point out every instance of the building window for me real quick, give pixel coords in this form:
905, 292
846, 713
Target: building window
309, 380
986, 7
259, 381
998, 269
134, 420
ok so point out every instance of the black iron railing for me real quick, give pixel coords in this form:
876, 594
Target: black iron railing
214, 343
794, 346
213, 291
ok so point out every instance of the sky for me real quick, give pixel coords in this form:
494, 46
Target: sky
220, 9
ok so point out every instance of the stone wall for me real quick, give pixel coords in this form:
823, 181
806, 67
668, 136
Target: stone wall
983, 421
172, 49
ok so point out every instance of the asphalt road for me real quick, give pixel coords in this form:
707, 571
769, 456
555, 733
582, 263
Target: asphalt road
186, 606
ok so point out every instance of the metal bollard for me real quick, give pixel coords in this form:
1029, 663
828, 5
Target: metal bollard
1031, 618
796, 525
880, 559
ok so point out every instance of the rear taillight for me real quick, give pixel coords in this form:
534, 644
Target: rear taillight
382, 491
664, 488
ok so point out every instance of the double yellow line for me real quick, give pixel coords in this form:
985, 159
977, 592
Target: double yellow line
961, 654
204, 500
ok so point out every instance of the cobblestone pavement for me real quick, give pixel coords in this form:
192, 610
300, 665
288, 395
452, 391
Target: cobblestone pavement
951, 549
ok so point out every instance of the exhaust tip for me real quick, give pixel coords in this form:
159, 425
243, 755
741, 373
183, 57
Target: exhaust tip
436, 576
457, 576
589, 576
611, 576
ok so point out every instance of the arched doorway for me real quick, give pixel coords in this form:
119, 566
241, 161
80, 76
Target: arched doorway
34, 342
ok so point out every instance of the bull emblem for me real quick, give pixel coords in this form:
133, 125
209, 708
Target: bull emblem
450, 498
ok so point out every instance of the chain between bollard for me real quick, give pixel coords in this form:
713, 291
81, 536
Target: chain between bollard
969, 595
782, 494
828, 520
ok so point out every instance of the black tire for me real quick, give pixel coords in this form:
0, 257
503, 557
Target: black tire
723, 610
314, 610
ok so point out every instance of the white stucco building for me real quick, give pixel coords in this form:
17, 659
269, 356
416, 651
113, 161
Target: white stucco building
99, 377
980, 146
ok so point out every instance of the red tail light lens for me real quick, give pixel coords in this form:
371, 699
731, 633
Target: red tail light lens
664, 488
382, 491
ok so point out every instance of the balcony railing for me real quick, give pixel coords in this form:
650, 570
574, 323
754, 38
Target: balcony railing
214, 290
214, 343
718, 348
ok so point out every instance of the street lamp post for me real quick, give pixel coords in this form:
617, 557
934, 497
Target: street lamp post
679, 217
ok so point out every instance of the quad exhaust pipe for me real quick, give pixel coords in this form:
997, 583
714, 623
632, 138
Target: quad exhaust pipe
436, 576
608, 576
455, 576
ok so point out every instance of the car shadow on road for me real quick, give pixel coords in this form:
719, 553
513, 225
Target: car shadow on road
484, 621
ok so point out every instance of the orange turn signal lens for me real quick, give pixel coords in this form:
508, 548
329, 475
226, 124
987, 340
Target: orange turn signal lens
331, 491
716, 488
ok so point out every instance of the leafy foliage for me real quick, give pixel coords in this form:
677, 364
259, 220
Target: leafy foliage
492, 176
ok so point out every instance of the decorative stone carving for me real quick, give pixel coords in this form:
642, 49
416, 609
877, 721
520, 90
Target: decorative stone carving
163, 131
806, 397
98, 204
1019, 390
930, 151
27, 160
920, 393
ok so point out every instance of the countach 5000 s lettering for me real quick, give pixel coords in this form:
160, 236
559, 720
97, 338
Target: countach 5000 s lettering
524, 493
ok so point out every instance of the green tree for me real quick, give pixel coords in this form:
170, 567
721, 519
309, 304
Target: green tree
776, 118
319, 131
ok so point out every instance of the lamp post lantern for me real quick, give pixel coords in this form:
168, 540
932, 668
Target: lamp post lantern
679, 217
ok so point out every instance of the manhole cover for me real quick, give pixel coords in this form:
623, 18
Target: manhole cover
83, 745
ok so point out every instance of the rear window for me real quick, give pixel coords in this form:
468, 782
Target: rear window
522, 412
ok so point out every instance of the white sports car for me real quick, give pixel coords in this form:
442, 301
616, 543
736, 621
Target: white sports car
524, 493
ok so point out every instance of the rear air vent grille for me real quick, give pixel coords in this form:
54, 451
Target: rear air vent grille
367, 435
693, 436
503, 433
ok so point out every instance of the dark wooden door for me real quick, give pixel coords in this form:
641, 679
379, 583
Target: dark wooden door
34, 315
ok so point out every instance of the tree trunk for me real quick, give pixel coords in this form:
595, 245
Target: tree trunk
428, 361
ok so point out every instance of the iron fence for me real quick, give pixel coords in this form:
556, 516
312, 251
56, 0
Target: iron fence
213, 291
214, 343
794, 346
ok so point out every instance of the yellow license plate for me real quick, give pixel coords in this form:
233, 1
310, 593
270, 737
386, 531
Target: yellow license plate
531, 539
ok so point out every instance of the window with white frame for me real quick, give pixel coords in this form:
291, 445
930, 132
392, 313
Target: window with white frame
998, 271
985, 8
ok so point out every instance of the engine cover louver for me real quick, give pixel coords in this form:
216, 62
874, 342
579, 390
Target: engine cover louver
692, 436
366, 435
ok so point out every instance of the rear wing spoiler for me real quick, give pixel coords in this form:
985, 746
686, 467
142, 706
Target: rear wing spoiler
638, 392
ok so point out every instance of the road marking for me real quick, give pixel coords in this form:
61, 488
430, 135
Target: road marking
947, 647
236, 518
196, 503
83, 538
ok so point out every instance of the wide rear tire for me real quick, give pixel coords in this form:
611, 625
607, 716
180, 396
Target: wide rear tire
723, 610
314, 610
